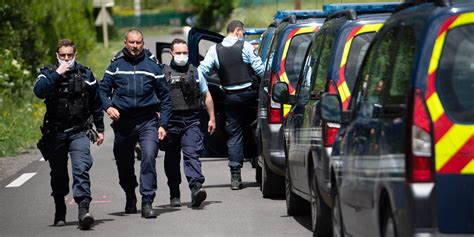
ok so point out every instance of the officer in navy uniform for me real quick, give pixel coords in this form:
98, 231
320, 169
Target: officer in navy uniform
184, 132
132, 91
72, 105
238, 68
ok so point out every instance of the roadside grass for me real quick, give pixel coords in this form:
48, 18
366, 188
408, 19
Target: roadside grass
19, 124
262, 15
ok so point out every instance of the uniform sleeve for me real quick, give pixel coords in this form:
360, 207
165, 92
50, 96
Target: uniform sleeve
44, 84
96, 103
163, 94
202, 84
254, 60
209, 62
105, 88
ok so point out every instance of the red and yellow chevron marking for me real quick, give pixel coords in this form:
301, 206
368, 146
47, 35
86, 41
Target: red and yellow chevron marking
282, 73
454, 143
342, 87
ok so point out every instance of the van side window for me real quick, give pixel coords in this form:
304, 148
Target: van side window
295, 56
320, 69
375, 73
309, 65
402, 68
455, 75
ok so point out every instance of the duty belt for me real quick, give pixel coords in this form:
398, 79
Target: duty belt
238, 90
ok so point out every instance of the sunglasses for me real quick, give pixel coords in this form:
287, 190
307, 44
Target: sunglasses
63, 55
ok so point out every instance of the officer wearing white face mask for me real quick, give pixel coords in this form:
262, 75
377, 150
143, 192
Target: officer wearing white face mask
184, 132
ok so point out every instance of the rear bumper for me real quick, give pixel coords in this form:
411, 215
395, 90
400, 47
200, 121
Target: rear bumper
272, 148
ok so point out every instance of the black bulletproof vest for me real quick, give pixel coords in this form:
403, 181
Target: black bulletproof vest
68, 105
184, 88
232, 69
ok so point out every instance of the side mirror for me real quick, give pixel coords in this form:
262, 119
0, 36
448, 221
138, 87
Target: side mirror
280, 93
330, 108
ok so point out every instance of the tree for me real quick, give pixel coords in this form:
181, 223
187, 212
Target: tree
211, 14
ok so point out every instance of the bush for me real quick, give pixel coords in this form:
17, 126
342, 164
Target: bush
212, 14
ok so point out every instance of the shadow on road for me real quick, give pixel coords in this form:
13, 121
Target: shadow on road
305, 221
96, 223
211, 159
227, 185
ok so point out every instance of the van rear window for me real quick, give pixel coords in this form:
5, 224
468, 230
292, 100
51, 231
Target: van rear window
295, 56
356, 54
455, 75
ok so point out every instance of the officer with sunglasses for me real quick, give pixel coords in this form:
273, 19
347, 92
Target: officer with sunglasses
72, 106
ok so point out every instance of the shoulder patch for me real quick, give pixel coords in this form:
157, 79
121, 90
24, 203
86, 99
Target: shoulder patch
118, 55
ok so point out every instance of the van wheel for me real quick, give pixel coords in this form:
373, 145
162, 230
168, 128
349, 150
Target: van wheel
272, 184
337, 230
389, 229
320, 212
295, 205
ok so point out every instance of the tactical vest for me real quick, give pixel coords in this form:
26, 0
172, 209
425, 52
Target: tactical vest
232, 69
68, 105
184, 88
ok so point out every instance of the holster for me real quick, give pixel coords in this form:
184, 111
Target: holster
92, 135
45, 144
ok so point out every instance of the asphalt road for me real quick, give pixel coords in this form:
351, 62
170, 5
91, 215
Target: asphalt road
28, 210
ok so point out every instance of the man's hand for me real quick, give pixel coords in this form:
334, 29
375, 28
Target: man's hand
113, 113
100, 138
161, 133
62, 68
211, 126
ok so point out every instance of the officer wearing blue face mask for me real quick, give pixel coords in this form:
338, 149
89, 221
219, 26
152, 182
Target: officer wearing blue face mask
184, 134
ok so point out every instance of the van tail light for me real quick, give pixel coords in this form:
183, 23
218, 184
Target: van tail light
331, 87
274, 115
420, 157
330, 133
330, 130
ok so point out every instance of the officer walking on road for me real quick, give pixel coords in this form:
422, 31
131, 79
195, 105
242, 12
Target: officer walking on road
184, 127
132, 90
72, 105
237, 66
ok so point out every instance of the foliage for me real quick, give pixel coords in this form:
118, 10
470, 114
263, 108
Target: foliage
29, 33
19, 124
212, 14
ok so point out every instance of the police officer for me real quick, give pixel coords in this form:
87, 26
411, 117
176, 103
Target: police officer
71, 98
184, 127
237, 65
132, 90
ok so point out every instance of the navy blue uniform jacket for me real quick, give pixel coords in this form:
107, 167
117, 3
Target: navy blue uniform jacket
47, 80
136, 87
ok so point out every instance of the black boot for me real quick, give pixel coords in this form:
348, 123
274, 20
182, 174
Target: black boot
198, 195
236, 180
60, 214
131, 204
148, 211
85, 218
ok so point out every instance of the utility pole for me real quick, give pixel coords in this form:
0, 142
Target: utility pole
297, 4
105, 31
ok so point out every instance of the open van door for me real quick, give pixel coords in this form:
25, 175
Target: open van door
199, 42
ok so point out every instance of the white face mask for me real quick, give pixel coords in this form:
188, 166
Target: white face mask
180, 60
69, 63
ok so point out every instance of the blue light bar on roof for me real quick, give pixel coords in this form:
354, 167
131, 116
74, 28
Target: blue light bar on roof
254, 31
361, 8
280, 15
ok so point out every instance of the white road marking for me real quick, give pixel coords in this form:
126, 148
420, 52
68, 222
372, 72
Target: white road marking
20, 180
